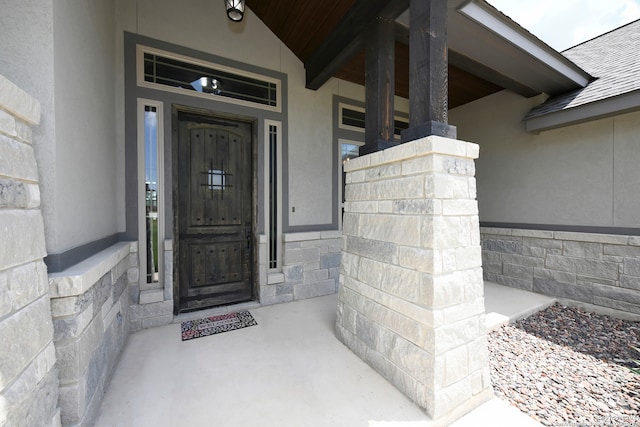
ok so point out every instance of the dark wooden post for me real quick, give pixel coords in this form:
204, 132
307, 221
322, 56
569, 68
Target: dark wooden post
428, 95
379, 85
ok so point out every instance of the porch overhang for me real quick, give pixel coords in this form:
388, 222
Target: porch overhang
481, 32
492, 51
347, 38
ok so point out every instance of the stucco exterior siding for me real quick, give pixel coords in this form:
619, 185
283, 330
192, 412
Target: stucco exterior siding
580, 175
72, 78
308, 192
26, 58
85, 161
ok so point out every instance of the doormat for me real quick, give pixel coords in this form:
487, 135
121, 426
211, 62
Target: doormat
216, 324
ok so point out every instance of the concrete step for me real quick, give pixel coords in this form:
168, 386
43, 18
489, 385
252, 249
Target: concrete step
504, 304
200, 314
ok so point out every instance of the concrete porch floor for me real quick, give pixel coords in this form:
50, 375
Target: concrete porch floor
289, 370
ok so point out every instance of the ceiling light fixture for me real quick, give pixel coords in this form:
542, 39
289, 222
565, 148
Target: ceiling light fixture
235, 9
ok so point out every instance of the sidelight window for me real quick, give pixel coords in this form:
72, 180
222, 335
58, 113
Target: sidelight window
273, 190
150, 234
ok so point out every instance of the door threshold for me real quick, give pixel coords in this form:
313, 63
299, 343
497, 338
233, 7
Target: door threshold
215, 311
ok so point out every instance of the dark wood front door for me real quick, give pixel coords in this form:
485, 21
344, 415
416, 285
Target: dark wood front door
214, 214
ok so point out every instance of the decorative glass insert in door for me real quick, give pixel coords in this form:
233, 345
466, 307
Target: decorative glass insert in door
151, 192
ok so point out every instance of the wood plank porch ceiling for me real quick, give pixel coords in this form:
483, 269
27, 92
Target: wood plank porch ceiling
304, 25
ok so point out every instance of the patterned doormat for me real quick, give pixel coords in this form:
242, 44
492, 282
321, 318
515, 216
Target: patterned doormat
216, 324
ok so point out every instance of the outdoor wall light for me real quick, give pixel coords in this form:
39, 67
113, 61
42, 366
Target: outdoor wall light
210, 85
235, 9
207, 85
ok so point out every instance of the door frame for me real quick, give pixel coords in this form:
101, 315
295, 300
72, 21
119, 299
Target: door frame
175, 141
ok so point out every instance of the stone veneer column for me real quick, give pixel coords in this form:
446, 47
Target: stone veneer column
28, 375
411, 295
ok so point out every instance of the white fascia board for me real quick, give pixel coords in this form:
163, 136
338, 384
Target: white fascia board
499, 27
583, 113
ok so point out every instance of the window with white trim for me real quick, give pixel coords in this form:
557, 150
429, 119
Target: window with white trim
352, 117
172, 72
349, 135
150, 201
273, 193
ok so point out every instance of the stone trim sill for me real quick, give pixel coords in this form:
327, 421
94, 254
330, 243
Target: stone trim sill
274, 278
79, 278
312, 235
18, 103
615, 239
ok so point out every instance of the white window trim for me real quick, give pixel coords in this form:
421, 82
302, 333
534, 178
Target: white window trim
267, 218
341, 107
141, 50
142, 232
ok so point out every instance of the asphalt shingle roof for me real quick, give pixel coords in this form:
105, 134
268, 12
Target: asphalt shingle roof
612, 58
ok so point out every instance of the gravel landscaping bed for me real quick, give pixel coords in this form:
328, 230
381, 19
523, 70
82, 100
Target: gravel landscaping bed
567, 367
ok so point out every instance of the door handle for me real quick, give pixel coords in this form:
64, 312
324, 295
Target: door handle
248, 235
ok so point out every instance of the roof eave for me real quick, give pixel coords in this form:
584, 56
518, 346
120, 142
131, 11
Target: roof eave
608, 107
510, 32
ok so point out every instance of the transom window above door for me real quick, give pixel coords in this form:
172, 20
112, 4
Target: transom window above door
181, 74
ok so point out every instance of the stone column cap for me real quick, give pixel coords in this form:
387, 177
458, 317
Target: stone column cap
429, 145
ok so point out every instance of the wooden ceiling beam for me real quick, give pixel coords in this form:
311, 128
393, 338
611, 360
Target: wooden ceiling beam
346, 39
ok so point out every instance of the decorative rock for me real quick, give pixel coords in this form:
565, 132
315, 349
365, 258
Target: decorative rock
567, 366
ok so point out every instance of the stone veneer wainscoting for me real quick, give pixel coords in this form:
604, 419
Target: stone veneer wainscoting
90, 308
311, 267
95, 304
411, 294
28, 374
598, 272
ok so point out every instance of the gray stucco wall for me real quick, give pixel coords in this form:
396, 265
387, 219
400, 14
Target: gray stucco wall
26, 59
536, 191
581, 175
62, 52
309, 162
84, 56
